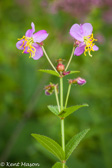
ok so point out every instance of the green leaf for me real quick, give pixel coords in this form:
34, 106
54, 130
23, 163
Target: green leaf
73, 143
58, 165
72, 72
50, 145
66, 112
53, 109
50, 72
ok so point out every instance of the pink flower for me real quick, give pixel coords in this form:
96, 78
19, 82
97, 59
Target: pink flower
79, 81
31, 42
49, 89
83, 33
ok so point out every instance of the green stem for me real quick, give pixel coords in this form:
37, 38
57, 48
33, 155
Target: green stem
63, 138
49, 59
57, 99
70, 59
61, 92
68, 93
62, 120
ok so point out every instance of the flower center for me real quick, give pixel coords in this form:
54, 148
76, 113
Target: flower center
27, 44
89, 44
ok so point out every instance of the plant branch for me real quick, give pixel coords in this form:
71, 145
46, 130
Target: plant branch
70, 58
61, 92
68, 93
62, 120
49, 59
57, 99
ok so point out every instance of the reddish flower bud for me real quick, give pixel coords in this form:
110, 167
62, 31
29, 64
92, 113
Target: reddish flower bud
60, 67
47, 93
70, 81
49, 89
79, 81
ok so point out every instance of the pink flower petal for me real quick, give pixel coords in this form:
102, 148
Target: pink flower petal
25, 51
87, 29
81, 81
76, 32
79, 50
19, 44
95, 48
33, 27
30, 32
40, 36
39, 51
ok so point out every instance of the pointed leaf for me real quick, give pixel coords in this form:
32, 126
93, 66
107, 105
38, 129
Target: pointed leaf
72, 72
73, 143
50, 72
58, 165
53, 109
50, 145
66, 112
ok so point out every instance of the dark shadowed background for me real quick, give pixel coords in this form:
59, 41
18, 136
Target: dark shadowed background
23, 104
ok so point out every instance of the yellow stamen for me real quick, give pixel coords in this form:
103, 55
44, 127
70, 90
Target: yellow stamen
89, 44
27, 42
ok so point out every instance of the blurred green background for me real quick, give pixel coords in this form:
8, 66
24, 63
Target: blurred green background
23, 104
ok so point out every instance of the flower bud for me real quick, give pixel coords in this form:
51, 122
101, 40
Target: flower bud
79, 81
60, 67
49, 89
70, 81
47, 93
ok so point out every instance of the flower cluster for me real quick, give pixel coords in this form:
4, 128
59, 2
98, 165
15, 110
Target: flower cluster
32, 42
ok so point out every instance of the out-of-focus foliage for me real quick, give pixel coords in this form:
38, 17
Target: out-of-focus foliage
23, 104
